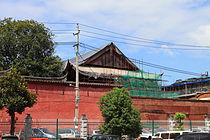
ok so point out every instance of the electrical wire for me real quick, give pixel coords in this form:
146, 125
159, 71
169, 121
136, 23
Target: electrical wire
83, 45
137, 40
64, 43
155, 41
118, 37
136, 44
147, 63
64, 30
59, 22
145, 40
164, 67
119, 33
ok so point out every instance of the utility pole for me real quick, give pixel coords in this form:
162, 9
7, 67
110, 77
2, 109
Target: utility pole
76, 113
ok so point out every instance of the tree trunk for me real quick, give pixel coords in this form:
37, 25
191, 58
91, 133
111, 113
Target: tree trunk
12, 123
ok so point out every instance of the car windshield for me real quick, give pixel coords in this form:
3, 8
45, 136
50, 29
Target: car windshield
94, 137
9, 138
157, 130
113, 137
46, 131
145, 131
64, 130
194, 136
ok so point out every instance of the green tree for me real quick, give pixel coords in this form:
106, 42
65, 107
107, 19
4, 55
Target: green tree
119, 115
14, 96
28, 46
178, 117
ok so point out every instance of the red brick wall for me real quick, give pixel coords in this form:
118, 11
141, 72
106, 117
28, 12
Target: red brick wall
162, 108
57, 101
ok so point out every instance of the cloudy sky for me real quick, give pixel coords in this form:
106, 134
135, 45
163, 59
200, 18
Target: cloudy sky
170, 33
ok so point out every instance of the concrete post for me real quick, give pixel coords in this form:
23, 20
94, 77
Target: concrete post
84, 124
171, 123
28, 127
206, 120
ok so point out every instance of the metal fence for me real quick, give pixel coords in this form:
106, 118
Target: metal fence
54, 124
170, 125
50, 124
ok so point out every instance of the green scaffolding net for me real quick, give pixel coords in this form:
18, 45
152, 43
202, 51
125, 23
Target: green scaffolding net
144, 84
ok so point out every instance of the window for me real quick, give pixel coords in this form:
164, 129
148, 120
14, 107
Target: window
174, 135
93, 137
165, 135
36, 131
101, 138
157, 135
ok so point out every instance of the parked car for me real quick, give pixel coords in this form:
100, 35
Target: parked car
9, 138
200, 129
145, 134
96, 132
170, 135
194, 136
156, 130
72, 139
68, 133
39, 133
105, 137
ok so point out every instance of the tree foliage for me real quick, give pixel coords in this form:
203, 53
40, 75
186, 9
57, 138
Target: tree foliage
119, 115
14, 96
28, 46
178, 117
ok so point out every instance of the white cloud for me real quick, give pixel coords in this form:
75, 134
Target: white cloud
166, 49
20, 10
167, 20
201, 35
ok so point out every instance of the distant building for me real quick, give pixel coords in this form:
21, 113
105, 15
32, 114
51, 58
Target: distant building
192, 88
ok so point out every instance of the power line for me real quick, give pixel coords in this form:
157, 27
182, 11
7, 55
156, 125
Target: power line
136, 44
118, 33
83, 45
145, 40
64, 43
147, 63
164, 67
117, 37
108, 36
59, 23
157, 41
62, 30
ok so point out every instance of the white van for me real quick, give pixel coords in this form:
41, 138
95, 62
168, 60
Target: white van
68, 133
170, 135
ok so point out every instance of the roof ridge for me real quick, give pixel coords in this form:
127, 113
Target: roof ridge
86, 55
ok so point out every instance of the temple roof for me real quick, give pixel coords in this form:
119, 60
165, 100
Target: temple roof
91, 64
83, 58
110, 53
